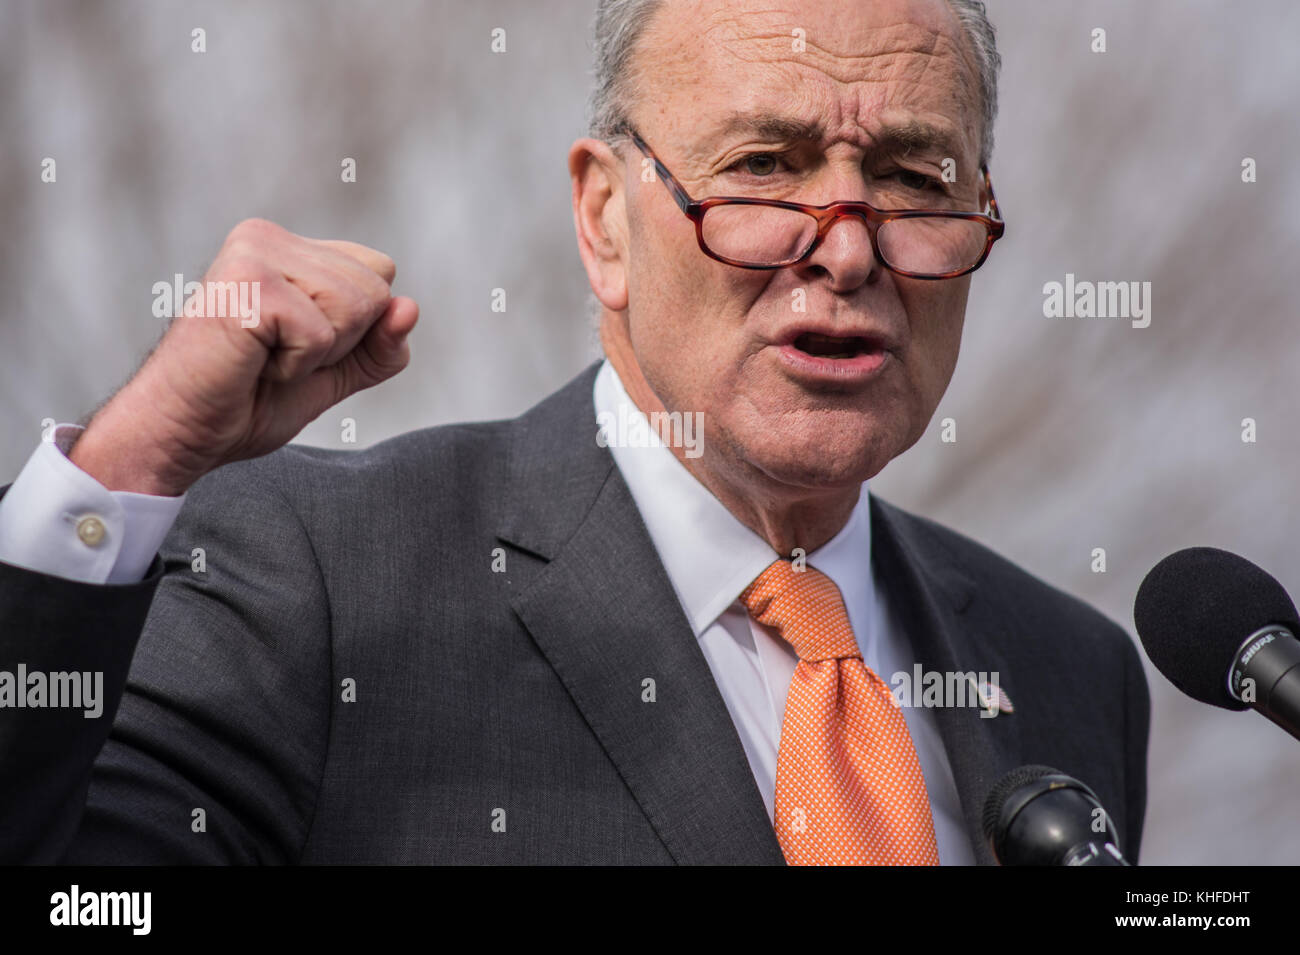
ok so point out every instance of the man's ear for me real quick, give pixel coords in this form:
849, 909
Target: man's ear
600, 218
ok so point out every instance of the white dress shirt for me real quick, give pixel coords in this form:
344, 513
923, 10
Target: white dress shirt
47, 524
59, 520
711, 557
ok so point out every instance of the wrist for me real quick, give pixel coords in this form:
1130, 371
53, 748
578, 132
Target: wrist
118, 450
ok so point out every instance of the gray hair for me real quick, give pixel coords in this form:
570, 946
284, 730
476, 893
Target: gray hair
620, 23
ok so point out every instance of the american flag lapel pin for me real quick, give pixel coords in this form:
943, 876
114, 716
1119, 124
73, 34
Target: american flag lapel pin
992, 697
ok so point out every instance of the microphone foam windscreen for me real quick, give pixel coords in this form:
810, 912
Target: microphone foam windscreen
1004, 787
1194, 610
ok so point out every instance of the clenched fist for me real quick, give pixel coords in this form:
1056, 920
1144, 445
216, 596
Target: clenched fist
218, 389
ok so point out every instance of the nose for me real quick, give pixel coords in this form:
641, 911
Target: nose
845, 256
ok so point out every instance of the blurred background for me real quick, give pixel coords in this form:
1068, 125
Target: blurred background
1072, 434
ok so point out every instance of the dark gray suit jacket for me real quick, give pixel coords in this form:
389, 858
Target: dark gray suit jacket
498, 716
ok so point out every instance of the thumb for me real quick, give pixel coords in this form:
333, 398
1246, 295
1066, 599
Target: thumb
381, 353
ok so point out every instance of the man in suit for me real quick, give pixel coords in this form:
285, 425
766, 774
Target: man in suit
655, 619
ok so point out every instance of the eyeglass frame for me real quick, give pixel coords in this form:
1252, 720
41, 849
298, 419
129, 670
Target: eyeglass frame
826, 216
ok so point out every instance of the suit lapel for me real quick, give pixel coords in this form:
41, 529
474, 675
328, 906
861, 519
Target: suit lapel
933, 594
603, 612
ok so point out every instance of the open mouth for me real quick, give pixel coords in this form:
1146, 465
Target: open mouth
829, 346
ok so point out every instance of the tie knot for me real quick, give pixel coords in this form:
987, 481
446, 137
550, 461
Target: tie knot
806, 608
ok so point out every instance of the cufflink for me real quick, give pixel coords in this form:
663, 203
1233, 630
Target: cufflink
90, 530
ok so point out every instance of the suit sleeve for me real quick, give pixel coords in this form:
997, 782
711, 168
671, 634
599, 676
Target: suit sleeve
216, 750
48, 625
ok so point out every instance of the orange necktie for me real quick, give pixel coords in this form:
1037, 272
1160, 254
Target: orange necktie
849, 788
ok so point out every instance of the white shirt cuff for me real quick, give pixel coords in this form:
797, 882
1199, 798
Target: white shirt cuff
57, 519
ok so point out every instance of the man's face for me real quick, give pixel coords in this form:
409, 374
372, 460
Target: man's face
714, 338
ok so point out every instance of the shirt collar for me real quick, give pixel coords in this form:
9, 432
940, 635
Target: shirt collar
709, 555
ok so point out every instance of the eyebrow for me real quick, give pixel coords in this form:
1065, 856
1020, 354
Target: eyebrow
915, 134
904, 137
771, 126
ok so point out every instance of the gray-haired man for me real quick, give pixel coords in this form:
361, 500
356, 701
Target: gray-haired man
547, 639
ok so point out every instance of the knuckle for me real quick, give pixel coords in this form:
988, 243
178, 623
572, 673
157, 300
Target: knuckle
244, 265
361, 301
376, 293
256, 227
253, 234
321, 337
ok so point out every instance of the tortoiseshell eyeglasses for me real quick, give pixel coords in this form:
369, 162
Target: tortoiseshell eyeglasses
753, 233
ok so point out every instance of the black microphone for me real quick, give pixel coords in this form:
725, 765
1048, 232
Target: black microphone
1223, 631
1036, 815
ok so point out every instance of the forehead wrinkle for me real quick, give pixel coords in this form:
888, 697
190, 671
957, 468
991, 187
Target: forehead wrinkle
904, 135
756, 43
904, 53
873, 122
906, 66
